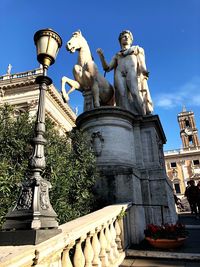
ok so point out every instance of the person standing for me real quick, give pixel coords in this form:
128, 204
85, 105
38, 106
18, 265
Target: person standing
191, 194
198, 197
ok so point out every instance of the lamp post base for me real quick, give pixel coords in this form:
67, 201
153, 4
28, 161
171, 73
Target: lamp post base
26, 237
33, 209
33, 219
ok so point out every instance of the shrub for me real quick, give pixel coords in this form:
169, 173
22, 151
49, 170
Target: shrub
70, 169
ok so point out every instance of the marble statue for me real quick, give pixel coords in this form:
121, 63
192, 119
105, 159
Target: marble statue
9, 69
130, 77
87, 77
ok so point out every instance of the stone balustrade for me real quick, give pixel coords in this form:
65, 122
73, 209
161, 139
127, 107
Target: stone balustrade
21, 74
181, 151
97, 239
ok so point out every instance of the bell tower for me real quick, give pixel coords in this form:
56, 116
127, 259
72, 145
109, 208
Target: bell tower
188, 129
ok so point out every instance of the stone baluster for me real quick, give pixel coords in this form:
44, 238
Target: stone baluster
79, 258
96, 249
118, 239
54, 260
66, 261
113, 240
88, 251
109, 249
59, 259
103, 243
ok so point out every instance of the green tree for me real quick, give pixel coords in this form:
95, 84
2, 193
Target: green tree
70, 168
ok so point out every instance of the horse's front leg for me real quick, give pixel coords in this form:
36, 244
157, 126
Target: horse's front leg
73, 84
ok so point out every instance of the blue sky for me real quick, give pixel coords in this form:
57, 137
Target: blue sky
168, 30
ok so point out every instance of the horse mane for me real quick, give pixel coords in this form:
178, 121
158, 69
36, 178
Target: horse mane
78, 32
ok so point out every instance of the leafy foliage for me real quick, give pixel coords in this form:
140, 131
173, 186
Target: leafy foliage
70, 168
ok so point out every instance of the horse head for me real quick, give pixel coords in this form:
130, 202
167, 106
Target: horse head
75, 42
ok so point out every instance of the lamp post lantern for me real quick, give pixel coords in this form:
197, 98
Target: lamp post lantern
33, 220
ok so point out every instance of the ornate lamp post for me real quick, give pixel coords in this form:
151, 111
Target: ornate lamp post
33, 218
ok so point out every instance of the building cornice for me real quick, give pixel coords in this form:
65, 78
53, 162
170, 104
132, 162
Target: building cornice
64, 106
17, 84
24, 79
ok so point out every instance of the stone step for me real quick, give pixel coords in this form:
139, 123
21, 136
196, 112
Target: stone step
151, 262
162, 254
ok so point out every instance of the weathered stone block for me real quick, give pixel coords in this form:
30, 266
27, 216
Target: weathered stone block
129, 153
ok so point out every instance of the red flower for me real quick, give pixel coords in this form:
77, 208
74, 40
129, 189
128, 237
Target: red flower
165, 231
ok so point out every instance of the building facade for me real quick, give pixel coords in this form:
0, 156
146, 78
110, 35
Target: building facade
21, 91
183, 164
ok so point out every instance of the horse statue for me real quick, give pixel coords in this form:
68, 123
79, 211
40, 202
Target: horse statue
96, 89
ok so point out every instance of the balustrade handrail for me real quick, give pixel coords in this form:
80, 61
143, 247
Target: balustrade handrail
21, 74
101, 223
181, 150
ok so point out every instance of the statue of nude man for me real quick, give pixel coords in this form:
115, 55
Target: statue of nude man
130, 76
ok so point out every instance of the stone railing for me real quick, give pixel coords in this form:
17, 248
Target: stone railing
97, 239
174, 151
21, 74
181, 151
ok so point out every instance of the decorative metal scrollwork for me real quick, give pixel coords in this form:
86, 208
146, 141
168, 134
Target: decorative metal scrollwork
25, 199
44, 198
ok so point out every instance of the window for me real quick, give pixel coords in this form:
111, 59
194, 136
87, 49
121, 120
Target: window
196, 162
187, 123
173, 164
190, 140
177, 188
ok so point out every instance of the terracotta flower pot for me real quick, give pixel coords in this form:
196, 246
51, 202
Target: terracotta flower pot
166, 243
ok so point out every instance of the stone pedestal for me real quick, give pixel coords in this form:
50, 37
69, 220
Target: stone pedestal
26, 237
129, 152
88, 100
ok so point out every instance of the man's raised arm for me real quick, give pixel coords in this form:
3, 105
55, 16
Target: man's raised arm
107, 67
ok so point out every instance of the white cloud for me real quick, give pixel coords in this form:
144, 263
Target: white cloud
186, 93
165, 101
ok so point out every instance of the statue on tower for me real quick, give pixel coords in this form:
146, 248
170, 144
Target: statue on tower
8, 72
130, 77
